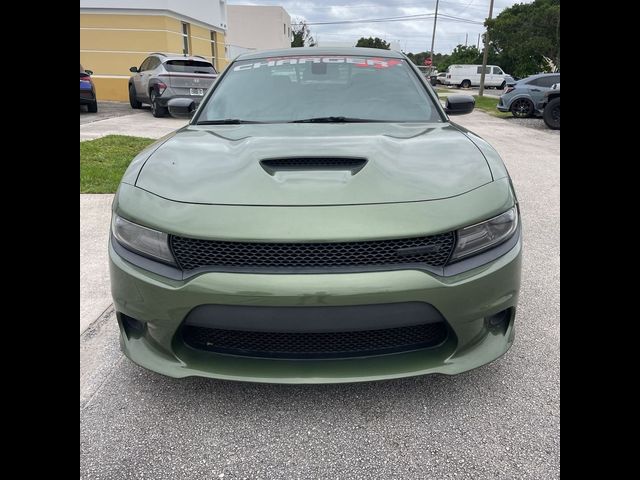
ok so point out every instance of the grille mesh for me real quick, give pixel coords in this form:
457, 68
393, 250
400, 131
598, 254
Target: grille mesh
315, 345
194, 253
300, 163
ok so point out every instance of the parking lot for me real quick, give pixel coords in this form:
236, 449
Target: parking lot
118, 118
498, 421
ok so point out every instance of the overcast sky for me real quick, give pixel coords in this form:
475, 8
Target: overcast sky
412, 36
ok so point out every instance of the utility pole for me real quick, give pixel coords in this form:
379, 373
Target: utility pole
466, 37
485, 53
478, 45
433, 37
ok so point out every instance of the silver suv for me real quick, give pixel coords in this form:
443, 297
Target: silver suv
162, 77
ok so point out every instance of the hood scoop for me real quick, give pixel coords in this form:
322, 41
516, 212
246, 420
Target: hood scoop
300, 164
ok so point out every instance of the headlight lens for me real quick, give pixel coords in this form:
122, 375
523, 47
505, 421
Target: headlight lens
482, 236
142, 240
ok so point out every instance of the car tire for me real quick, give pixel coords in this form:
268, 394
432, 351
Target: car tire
92, 107
551, 114
465, 84
521, 108
156, 110
133, 101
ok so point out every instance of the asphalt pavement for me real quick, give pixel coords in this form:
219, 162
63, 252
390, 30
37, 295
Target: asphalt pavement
498, 421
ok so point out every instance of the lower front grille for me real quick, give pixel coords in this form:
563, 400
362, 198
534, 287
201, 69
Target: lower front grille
315, 345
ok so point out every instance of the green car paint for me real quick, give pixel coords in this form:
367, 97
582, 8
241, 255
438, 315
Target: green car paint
420, 179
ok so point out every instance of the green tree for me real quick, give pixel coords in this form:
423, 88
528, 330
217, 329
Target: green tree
373, 43
526, 37
301, 34
461, 55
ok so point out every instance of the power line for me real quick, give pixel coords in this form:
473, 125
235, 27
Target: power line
404, 18
371, 20
378, 5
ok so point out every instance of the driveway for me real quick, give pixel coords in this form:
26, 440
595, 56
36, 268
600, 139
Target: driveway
498, 421
117, 118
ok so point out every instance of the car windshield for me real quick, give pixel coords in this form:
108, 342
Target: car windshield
189, 66
323, 88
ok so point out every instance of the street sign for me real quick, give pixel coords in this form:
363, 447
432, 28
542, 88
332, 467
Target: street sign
427, 61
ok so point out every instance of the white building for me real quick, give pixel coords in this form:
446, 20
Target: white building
257, 27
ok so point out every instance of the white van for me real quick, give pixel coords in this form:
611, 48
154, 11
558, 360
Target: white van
466, 76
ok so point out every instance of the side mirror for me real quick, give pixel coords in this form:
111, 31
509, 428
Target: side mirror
133, 69
181, 107
459, 104
89, 72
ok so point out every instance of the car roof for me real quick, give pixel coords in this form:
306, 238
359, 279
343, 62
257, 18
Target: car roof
175, 56
296, 51
538, 75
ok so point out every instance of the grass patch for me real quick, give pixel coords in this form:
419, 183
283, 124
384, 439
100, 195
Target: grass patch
488, 105
104, 160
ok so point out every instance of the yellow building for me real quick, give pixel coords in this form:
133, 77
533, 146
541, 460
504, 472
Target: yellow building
118, 34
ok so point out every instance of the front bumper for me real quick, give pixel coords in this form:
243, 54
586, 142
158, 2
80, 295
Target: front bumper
465, 300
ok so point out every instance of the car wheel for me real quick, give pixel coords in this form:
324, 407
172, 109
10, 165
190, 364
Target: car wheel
133, 101
551, 114
156, 110
465, 84
92, 107
522, 108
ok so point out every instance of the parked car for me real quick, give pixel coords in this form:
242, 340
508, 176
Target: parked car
523, 97
429, 73
466, 76
330, 226
550, 107
87, 90
440, 78
162, 77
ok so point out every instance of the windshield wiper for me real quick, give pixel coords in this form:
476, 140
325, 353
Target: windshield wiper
226, 121
335, 120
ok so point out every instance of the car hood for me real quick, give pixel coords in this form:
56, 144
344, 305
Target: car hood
402, 163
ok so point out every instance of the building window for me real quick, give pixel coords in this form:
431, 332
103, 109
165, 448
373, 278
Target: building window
285, 28
186, 39
214, 44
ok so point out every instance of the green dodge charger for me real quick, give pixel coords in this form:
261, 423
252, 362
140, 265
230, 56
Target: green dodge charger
320, 219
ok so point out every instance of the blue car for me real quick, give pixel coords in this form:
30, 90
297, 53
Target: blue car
522, 98
88, 90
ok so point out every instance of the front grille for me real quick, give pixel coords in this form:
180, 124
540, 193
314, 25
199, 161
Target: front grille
315, 345
195, 253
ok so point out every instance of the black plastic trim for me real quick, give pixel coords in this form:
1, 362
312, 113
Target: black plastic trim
316, 319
